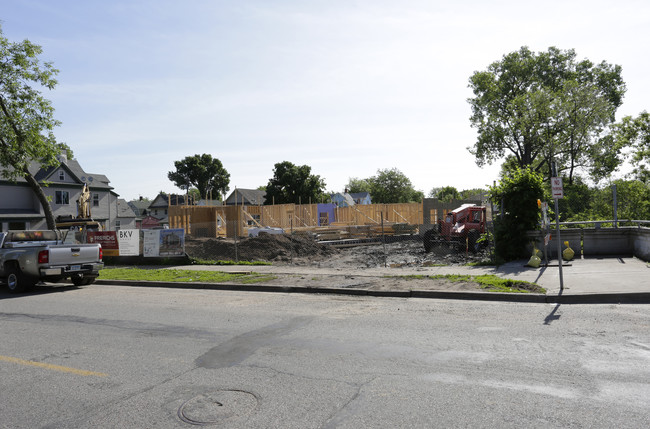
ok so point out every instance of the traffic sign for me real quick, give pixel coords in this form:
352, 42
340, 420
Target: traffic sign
556, 187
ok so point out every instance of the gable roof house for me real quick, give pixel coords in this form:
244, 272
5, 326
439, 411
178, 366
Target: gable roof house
140, 208
126, 218
362, 198
246, 197
159, 209
345, 199
62, 184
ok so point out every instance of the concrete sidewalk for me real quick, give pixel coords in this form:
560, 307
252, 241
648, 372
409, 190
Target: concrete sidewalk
590, 280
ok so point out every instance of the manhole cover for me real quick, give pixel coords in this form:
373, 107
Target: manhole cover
217, 407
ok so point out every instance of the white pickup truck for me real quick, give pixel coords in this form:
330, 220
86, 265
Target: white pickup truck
27, 257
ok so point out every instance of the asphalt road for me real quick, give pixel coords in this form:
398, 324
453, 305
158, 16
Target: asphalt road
129, 357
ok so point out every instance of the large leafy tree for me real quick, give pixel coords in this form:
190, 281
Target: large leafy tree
517, 194
205, 173
293, 184
446, 193
356, 185
540, 107
26, 117
392, 186
633, 133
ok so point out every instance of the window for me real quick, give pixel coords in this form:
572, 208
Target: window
62, 197
324, 218
61, 175
95, 200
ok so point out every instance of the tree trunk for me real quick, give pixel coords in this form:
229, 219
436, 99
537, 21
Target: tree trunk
47, 209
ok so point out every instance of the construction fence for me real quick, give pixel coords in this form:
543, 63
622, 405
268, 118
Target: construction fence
390, 228
387, 234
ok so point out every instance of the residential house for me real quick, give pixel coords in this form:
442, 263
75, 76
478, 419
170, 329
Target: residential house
140, 208
159, 209
362, 198
62, 184
126, 218
345, 199
246, 197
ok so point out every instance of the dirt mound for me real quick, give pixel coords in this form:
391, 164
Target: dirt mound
268, 247
304, 250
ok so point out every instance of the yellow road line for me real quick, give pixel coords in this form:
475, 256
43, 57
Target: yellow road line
52, 367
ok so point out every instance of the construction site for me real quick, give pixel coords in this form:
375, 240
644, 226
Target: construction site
325, 222
320, 234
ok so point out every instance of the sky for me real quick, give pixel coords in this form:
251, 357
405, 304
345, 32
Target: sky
347, 87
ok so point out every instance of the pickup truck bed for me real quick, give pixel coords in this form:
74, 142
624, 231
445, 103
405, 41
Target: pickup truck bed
27, 257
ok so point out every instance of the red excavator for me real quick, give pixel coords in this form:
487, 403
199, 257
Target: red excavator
462, 226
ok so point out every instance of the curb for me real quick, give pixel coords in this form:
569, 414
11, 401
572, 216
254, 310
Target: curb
476, 296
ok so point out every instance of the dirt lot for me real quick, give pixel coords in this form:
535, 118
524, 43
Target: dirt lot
282, 250
303, 250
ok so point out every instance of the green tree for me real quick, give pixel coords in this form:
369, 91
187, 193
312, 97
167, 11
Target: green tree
356, 185
447, 194
194, 194
633, 199
26, 117
517, 193
293, 184
634, 133
392, 186
576, 202
473, 194
540, 107
205, 173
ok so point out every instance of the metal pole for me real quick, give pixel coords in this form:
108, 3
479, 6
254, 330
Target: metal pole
383, 237
615, 204
557, 227
559, 243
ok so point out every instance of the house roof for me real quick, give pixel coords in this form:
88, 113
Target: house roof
164, 200
123, 209
344, 198
74, 170
360, 195
248, 196
139, 207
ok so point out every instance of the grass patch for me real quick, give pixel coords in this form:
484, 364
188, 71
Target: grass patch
174, 275
488, 282
198, 261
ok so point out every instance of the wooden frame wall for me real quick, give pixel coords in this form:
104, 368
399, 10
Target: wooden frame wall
231, 221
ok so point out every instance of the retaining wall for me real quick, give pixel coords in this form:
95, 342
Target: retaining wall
623, 241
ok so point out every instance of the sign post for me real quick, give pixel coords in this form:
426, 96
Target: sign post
558, 192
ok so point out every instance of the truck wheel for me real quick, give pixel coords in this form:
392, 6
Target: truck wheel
16, 281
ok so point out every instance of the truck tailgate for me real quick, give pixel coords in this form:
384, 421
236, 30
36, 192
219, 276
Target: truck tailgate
73, 254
